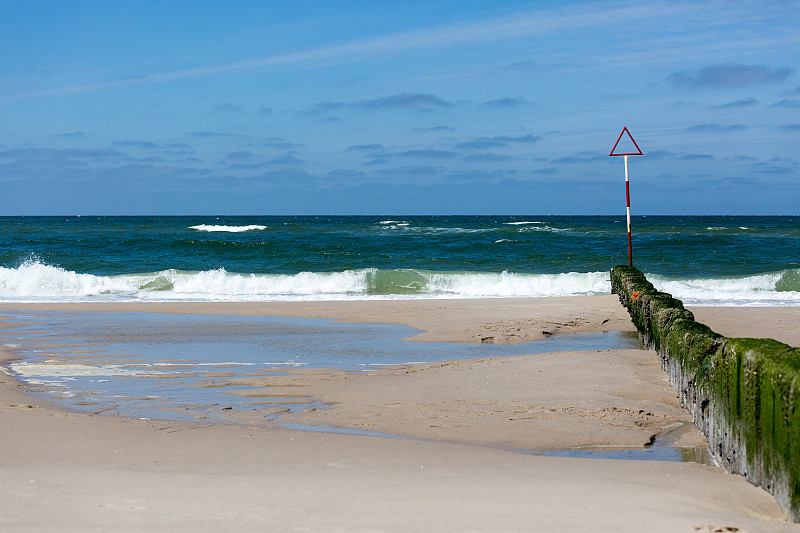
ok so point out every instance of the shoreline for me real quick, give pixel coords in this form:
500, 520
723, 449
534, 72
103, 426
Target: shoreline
512, 319
556, 314
175, 474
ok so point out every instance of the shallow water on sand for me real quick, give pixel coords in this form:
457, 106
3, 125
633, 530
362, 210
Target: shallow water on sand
175, 366
183, 367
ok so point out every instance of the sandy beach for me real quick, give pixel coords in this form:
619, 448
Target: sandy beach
470, 454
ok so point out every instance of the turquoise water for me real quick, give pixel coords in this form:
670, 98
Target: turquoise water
711, 260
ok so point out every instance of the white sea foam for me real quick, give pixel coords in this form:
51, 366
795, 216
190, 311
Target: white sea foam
451, 231
34, 282
508, 284
38, 282
51, 370
544, 228
760, 289
228, 229
523, 223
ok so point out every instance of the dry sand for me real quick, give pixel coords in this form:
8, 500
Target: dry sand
65, 471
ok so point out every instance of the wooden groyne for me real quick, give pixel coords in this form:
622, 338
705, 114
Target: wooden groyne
744, 394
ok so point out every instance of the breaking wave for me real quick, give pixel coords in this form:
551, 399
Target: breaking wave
769, 289
228, 229
35, 281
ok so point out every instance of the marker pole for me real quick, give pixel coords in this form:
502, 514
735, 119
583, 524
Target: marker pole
628, 198
627, 186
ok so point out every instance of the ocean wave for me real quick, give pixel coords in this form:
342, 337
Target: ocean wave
228, 229
544, 228
432, 230
726, 228
769, 289
394, 225
34, 281
38, 282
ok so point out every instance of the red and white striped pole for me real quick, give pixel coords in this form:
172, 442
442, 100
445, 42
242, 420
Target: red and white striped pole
628, 199
627, 183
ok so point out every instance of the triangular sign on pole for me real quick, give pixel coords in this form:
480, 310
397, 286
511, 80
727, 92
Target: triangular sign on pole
638, 150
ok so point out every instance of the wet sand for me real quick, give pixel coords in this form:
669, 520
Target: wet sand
67, 471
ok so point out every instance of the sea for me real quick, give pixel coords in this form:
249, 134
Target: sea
703, 260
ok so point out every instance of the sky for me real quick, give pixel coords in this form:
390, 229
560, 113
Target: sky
413, 107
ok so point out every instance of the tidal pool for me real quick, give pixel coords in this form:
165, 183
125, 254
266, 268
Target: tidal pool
156, 365
178, 367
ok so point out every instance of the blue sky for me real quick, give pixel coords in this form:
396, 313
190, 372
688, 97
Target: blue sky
473, 107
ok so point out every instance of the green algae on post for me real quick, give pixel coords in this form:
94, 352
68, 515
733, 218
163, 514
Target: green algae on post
744, 394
